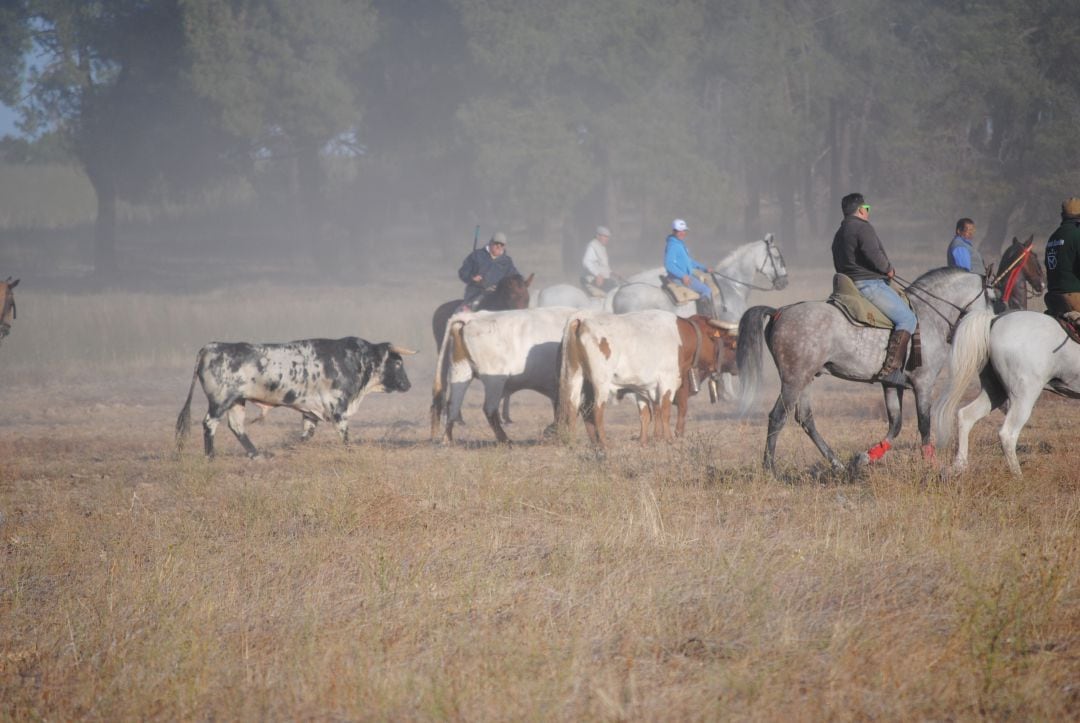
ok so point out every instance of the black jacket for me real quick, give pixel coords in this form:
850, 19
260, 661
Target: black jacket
857, 251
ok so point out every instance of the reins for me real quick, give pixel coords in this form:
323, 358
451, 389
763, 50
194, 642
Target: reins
909, 287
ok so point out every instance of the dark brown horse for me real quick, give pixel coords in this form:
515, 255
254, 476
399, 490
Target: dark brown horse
7, 305
512, 292
1018, 274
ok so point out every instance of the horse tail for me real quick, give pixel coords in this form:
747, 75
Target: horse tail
439, 385
749, 353
571, 373
183, 420
968, 356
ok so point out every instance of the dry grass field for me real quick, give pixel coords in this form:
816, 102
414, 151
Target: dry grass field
394, 579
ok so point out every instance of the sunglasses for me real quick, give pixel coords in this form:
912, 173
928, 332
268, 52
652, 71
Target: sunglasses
865, 207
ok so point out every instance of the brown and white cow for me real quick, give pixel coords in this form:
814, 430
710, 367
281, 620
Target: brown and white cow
323, 379
648, 354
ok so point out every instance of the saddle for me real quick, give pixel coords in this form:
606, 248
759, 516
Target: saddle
680, 294
592, 289
1070, 323
860, 311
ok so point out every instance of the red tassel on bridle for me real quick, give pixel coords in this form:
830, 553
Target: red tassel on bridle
1010, 284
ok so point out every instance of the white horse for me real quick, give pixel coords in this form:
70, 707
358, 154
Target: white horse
1015, 356
733, 275
572, 296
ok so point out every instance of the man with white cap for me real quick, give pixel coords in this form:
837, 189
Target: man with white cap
597, 268
680, 265
484, 268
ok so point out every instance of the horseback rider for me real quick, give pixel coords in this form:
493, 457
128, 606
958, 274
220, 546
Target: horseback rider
857, 252
596, 267
1063, 263
962, 253
484, 268
680, 266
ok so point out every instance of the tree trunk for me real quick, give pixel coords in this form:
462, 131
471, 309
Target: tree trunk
309, 180
996, 227
785, 189
809, 206
752, 210
104, 224
838, 180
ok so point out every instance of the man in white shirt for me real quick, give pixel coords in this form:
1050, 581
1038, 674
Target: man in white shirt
597, 269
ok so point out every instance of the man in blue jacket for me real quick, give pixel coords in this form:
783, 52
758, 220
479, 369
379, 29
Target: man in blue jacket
962, 253
680, 265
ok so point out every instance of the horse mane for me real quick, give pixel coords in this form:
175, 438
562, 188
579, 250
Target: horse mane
737, 252
933, 276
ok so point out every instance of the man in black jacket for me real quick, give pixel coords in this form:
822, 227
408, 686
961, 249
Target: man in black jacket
484, 268
1063, 261
857, 252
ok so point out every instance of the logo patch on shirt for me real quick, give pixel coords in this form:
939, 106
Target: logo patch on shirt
1051, 260
1053, 243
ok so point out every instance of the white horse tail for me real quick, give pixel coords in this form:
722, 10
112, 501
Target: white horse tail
969, 355
749, 353
571, 376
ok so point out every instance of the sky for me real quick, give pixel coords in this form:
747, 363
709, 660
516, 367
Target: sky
7, 121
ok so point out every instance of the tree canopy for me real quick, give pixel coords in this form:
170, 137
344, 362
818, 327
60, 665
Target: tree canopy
555, 115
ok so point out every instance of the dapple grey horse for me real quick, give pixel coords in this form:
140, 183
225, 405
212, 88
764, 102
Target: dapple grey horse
811, 338
1016, 356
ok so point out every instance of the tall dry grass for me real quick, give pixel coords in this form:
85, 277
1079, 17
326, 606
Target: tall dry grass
396, 580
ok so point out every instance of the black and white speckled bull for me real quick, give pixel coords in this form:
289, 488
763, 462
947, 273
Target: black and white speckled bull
323, 379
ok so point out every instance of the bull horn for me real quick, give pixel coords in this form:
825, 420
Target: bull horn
401, 350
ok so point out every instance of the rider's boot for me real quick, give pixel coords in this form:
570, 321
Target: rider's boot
892, 371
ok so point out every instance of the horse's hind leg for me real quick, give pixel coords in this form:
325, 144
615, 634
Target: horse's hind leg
991, 396
804, 415
1020, 405
777, 419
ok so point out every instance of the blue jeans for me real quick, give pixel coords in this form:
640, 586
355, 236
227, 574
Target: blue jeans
697, 285
883, 297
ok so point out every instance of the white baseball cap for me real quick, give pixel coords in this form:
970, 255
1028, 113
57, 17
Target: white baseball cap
679, 225
603, 231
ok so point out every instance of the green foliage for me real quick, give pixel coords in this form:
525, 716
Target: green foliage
274, 68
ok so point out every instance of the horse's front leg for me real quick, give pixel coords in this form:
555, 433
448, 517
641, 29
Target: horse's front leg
894, 408
923, 402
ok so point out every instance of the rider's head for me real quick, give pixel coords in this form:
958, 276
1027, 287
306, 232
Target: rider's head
497, 245
603, 234
965, 227
851, 203
679, 227
1070, 208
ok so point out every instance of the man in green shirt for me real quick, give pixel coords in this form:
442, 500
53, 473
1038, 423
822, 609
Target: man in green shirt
1063, 261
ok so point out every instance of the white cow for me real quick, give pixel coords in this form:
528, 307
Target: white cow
608, 354
507, 350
